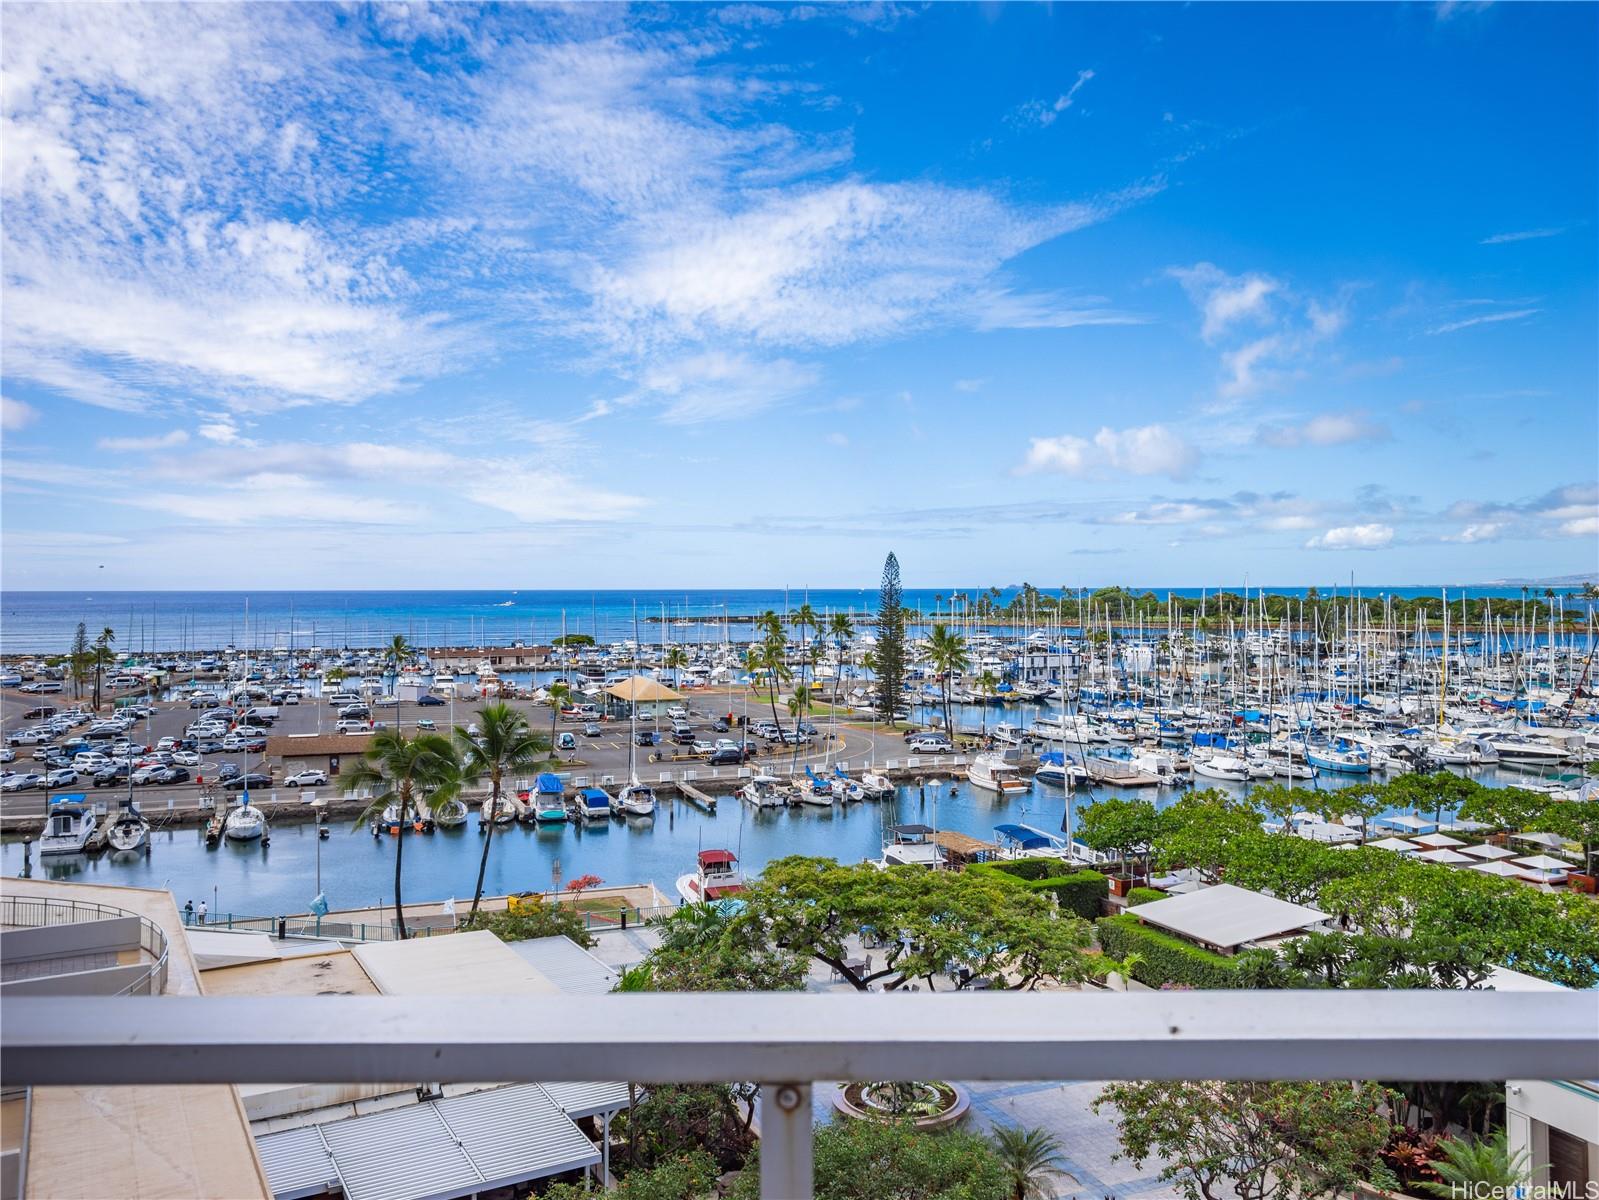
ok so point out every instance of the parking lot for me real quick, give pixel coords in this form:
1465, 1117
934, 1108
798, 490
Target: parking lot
602, 755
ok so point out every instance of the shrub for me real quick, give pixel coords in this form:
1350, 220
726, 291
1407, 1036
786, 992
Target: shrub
1023, 868
1164, 958
1143, 895
1080, 894
533, 919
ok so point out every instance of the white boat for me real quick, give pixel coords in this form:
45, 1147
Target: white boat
508, 809
875, 786
130, 830
1007, 734
390, 820
911, 846
1517, 747
716, 877
245, 824
451, 815
637, 800
72, 823
764, 791
816, 792
1222, 766
1342, 758
1000, 772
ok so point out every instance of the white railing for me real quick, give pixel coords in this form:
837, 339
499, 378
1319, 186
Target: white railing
35, 912
785, 1041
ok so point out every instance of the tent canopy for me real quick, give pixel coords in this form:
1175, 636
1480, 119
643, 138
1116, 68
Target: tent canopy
640, 689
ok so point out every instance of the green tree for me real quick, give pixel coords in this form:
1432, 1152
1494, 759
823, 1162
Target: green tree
690, 1175
413, 774
1126, 828
704, 948
103, 658
1251, 1141
941, 923
842, 630
890, 641
676, 659
771, 658
886, 1160
533, 918
79, 659
987, 683
1470, 1167
946, 651
560, 695
504, 744
803, 618
1577, 820
1029, 1157
397, 653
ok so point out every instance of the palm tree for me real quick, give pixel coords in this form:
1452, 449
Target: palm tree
102, 658
841, 629
771, 656
504, 744
560, 696
803, 618
947, 652
986, 683
410, 773
1028, 1157
798, 705
676, 659
397, 653
1467, 1165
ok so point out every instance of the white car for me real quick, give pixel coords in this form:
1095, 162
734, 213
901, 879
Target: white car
22, 782
305, 779
350, 725
936, 744
167, 743
61, 777
148, 774
89, 761
185, 758
8, 755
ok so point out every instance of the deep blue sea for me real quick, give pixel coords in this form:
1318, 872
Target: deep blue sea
34, 622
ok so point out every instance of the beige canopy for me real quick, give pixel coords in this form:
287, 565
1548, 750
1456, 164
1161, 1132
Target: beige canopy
641, 689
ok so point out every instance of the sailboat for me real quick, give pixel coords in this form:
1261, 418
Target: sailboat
637, 799
245, 823
130, 830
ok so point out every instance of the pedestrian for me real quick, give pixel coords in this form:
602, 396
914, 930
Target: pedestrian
188, 913
201, 912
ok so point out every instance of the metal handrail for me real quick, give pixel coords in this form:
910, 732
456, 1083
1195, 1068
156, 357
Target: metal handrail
40, 912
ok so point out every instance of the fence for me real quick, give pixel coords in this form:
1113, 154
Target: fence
783, 1041
40, 912
594, 921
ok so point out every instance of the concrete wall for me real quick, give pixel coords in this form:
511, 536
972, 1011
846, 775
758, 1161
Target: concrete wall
65, 941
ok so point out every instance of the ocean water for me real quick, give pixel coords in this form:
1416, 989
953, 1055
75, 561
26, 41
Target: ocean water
43, 622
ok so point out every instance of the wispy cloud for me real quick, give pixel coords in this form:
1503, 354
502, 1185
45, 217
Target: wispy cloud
1517, 314
1044, 113
15, 415
1524, 235
1372, 536
1325, 429
1145, 450
160, 441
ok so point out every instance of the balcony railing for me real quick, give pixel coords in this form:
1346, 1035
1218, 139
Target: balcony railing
41, 912
786, 1041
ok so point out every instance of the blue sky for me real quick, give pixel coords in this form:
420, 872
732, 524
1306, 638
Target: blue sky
749, 295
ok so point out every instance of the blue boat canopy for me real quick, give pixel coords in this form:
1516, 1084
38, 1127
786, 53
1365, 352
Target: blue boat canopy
593, 796
1026, 838
550, 783
1052, 758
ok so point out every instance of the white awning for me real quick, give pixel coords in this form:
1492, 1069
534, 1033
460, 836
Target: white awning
579, 1100
1406, 822
1398, 845
1437, 841
1446, 856
1543, 862
1227, 916
1488, 852
1494, 868
440, 1150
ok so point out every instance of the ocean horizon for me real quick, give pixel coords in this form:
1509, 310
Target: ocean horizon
44, 621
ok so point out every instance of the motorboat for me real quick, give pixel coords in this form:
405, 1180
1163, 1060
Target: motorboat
764, 791
716, 877
1341, 757
130, 830
1055, 769
451, 814
1023, 841
392, 822
637, 800
1006, 734
246, 823
1518, 747
1222, 766
71, 824
506, 809
999, 771
875, 786
911, 846
590, 804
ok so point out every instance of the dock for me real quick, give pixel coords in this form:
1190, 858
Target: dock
699, 799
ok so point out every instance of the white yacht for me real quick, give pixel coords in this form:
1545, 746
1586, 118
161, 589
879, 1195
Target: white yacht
636, 800
716, 877
451, 814
1518, 747
911, 846
510, 808
999, 771
875, 786
1222, 766
72, 823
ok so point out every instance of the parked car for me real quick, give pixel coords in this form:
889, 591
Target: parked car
644, 737
429, 701
727, 756
720, 725
591, 730
351, 725
254, 779
930, 743
227, 770
171, 775
61, 777
22, 781
143, 776
8, 755
185, 758
565, 741
111, 776
310, 778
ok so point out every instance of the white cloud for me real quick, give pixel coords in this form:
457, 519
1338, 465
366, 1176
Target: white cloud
539, 497
161, 441
15, 415
837, 439
1044, 113
1481, 531
1224, 299
1580, 526
1145, 450
1353, 537
970, 385
1486, 319
1326, 429
270, 497
1000, 309
223, 432
1523, 235
716, 386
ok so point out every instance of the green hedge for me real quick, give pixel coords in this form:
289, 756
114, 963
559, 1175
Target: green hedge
1143, 895
1080, 893
1166, 959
